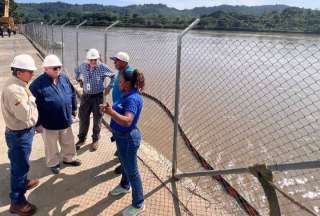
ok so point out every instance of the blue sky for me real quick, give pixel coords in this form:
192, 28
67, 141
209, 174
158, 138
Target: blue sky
183, 4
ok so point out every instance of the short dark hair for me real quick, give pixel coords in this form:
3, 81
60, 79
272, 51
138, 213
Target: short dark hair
14, 71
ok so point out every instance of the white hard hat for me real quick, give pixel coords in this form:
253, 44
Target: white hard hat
51, 61
93, 54
122, 56
24, 61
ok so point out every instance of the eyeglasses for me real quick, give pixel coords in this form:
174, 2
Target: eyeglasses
28, 71
56, 68
93, 60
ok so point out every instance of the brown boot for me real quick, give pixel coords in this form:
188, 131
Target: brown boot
32, 183
94, 146
79, 144
23, 209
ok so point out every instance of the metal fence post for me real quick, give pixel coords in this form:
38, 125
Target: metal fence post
36, 26
177, 96
42, 34
38, 33
52, 36
106, 39
47, 39
77, 41
32, 31
62, 40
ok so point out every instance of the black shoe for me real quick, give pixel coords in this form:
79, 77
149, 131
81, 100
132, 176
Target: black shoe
116, 154
55, 169
76, 162
118, 170
79, 144
112, 139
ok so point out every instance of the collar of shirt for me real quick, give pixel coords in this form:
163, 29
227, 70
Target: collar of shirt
124, 69
20, 82
89, 68
51, 79
132, 91
127, 68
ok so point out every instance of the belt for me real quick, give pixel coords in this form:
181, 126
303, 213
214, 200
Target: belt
17, 131
94, 95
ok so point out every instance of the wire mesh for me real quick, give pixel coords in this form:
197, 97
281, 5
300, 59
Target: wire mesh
70, 56
249, 100
245, 99
155, 53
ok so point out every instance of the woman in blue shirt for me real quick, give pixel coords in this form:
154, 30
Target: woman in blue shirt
124, 115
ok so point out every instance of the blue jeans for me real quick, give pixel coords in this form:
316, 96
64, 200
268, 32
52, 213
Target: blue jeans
19, 148
128, 145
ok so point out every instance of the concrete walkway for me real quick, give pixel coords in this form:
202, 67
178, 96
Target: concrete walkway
85, 190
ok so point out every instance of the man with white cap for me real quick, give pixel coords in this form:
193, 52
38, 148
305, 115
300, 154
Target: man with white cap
56, 102
121, 63
20, 115
91, 76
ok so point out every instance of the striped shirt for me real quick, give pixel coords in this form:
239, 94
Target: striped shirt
93, 80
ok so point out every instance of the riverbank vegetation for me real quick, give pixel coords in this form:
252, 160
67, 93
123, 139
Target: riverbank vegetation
269, 18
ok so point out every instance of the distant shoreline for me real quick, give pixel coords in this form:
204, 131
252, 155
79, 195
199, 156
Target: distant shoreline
210, 30
265, 18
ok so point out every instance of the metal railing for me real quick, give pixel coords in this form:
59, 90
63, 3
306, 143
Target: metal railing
77, 40
236, 102
62, 40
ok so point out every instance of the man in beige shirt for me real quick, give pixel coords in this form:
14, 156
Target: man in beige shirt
20, 115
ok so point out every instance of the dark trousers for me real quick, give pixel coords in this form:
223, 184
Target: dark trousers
128, 145
19, 149
90, 104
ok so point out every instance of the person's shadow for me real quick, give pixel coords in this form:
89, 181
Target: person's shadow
103, 204
56, 191
38, 169
100, 206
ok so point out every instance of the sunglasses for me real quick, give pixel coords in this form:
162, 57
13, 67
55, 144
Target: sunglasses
93, 60
29, 71
56, 68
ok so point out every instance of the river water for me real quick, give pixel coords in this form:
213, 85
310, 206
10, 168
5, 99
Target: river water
246, 98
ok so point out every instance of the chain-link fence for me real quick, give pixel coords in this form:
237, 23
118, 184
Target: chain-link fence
244, 99
254, 100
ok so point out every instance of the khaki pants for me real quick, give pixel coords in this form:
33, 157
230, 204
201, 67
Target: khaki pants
67, 144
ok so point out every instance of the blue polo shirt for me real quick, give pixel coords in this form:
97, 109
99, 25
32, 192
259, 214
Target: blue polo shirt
129, 102
116, 92
55, 103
